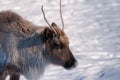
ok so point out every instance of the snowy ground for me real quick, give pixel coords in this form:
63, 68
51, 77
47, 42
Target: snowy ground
93, 27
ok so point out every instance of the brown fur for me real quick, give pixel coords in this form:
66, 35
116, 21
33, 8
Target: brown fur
28, 48
13, 22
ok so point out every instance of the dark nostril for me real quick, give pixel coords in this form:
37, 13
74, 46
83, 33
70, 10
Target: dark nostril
75, 64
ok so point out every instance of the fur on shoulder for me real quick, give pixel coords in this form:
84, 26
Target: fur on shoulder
10, 21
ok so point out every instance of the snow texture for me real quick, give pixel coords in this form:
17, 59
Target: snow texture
93, 27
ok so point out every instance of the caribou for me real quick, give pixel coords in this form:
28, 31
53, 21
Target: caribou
26, 49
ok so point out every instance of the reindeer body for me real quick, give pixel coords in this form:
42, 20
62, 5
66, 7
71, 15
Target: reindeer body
26, 48
16, 48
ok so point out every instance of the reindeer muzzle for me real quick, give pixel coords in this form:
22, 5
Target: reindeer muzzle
70, 64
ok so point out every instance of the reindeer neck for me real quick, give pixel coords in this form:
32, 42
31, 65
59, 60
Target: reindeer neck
31, 41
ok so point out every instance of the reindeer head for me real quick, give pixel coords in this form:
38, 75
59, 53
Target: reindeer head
57, 47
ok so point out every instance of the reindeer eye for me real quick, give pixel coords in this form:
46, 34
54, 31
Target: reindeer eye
57, 45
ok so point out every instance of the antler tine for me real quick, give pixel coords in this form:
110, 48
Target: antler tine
61, 15
45, 17
47, 20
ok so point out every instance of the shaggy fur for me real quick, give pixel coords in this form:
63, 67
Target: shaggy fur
26, 48
13, 32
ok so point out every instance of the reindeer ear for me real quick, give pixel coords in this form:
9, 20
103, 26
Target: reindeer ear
54, 25
48, 33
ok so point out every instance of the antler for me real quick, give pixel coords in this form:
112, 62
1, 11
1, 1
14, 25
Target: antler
47, 21
61, 15
45, 17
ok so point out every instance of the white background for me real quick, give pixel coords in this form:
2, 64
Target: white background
93, 27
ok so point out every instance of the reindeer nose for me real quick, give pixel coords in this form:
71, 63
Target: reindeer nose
71, 64
76, 63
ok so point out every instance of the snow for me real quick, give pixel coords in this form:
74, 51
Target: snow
93, 27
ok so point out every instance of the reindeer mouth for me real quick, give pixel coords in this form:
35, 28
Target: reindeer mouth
70, 65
